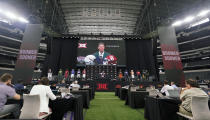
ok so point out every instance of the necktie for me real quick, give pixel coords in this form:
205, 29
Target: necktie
101, 59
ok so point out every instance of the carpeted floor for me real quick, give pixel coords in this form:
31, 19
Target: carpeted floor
106, 106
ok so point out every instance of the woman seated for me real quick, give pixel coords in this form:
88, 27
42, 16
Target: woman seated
45, 93
186, 96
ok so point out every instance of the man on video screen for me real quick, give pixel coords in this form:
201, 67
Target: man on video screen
101, 54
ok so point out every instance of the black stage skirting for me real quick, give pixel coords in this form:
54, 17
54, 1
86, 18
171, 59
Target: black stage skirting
107, 85
61, 106
85, 97
161, 109
136, 99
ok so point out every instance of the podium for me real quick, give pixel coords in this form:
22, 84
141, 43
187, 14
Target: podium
94, 72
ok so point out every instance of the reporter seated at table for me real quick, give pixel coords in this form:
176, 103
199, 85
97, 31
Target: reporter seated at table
53, 86
174, 85
190, 90
62, 83
165, 88
75, 84
45, 93
19, 85
6, 91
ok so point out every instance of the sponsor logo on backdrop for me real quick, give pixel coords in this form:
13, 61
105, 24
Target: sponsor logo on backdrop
27, 54
171, 57
82, 45
102, 86
112, 46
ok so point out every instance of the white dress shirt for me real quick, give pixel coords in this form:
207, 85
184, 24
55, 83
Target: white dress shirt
45, 94
101, 54
174, 86
75, 85
166, 88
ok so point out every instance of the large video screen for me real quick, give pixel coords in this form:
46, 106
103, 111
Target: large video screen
101, 52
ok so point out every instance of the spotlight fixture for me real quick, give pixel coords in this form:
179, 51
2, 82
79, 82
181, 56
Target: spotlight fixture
10, 15
191, 18
200, 22
177, 23
188, 19
21, 19
203, 13
205, 58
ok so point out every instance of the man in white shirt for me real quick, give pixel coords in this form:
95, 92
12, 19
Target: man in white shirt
45, 93
166, 87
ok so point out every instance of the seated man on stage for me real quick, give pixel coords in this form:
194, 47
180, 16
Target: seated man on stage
102, 74
186, 96
101, 54
126, 75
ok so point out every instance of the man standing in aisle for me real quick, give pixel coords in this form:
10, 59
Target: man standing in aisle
101, 54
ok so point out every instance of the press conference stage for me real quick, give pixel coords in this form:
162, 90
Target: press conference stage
105, 59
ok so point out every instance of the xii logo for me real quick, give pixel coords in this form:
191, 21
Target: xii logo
102, 86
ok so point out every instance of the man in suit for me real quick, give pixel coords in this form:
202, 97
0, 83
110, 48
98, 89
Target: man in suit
101, 54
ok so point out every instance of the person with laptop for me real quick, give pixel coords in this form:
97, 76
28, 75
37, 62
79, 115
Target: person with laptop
75, 84
174, 85
6, 91
165, 88
45, 93
190, 90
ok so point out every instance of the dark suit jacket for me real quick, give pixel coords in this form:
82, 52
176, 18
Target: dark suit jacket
98, 60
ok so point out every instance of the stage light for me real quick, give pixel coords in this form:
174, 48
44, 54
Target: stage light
205, 58
10, 15
21, 19
200, 22
188, 19
177, 23
203, 13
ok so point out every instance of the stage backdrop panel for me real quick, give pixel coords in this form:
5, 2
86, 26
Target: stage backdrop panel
140, 54
26, 59
62, 55
170, 54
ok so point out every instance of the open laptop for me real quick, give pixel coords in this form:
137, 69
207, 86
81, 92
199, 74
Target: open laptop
174, 93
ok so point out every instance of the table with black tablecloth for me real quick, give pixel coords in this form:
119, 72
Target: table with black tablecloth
123, 93
135, 99
91, 92
13, 101
85, 97
161, 108
61, 106
117, 91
